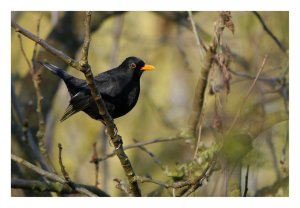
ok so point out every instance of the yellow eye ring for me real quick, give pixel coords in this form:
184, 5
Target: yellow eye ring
133, 65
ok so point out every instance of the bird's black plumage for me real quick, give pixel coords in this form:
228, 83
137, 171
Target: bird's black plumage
119, 88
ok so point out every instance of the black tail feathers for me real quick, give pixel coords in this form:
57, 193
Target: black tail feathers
54, 69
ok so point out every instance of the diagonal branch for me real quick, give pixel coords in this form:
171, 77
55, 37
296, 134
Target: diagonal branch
36, 185
266, 28
140, 144
247, 94
52, 176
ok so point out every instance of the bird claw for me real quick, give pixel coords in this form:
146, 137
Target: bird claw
115, 133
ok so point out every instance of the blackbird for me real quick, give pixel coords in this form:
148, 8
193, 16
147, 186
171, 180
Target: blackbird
119, 88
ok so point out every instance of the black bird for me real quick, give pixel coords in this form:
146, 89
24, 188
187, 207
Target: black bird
119, 88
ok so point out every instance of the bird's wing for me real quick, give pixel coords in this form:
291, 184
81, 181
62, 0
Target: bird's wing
107, 85
78, 102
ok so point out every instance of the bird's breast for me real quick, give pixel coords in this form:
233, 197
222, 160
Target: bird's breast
125, 101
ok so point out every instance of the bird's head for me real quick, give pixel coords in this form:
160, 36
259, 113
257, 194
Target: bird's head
135, 65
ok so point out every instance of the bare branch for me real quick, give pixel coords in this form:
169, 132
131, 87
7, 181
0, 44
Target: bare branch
52, 176
36, 185
266, 28
156, 159
139, 144
45, 45
247, 95
94, 160
36, 83
62, 167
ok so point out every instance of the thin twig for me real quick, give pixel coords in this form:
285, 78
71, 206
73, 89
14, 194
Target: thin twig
198, 141
246, 181
34, 54
200, 44
62, 167
93, 160
50, 175
175, 185
198, 181
247, 94
156, 159
36, 185
36, 82
139, 144
122, 186
32, 149
266, 28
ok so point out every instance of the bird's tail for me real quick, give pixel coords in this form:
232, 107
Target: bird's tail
55, 70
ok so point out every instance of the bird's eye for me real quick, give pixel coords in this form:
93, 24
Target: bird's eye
133, 65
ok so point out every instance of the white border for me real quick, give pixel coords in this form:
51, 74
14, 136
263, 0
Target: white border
201, 5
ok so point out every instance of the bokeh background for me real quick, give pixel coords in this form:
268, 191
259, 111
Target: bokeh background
165, 40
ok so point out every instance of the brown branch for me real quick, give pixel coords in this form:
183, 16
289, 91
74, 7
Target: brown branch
111, 127
191, 185
269, 32
36, 185
45, 45
139, 144
38, 170
200, 44
122, 186
36, 83
78, 188
156, 160
62, 167
31, 149
175, 185
195, 118
198, 181
247, 95
94, 160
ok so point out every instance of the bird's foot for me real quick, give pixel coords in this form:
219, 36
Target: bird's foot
115, 139
115, 132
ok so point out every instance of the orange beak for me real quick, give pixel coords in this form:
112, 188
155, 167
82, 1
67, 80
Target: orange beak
147, 67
